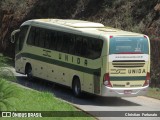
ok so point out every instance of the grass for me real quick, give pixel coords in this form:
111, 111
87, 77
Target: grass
5, 61
7, 95
30, 100
154, 93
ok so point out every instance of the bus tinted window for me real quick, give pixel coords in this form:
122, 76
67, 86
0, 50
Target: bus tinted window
78, 46
31, 36
53, 40
59, 41
94, 48
65, 42
67, 38
47, 39
42, 37
37, 37
125, 45
85, 46
71, 45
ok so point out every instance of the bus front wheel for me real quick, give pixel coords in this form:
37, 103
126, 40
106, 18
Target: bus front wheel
76, 87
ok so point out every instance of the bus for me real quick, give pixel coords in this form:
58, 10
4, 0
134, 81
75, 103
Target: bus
85, 56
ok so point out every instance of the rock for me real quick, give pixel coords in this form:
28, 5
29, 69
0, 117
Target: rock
157, 7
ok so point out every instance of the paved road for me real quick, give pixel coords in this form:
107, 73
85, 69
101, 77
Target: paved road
94, 103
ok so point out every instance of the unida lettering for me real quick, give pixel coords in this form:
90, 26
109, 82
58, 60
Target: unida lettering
136, 71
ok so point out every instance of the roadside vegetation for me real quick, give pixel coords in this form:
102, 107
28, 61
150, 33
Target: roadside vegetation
154, 93
30, 100
7, 90
16, 98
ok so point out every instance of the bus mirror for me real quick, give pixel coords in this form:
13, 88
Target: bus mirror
14, 35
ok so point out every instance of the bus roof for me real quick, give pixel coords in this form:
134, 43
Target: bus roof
91, 28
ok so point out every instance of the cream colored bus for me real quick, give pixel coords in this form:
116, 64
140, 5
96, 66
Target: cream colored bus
85, 56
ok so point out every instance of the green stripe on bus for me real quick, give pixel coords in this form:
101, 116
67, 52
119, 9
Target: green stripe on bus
133, 78
60, 63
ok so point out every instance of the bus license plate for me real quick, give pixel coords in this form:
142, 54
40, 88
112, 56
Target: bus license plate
127, 91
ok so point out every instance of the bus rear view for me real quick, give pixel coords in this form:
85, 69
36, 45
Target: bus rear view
128, 68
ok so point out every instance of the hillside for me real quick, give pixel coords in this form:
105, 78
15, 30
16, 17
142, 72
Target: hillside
139, 16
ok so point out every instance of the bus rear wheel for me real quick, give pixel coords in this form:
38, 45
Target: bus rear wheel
29, 72
76, 87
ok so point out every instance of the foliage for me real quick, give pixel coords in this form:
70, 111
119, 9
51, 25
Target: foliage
154, 93
8, 93
31, 100
155, 76
5, 71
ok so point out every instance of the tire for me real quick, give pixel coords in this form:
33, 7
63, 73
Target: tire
76, 87
29, 72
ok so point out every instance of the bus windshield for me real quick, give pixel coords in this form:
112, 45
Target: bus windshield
129, 45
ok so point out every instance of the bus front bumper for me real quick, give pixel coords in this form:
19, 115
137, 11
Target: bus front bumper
124, 92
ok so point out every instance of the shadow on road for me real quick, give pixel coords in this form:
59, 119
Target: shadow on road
66, 94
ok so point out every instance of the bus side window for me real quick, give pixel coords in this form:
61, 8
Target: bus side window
47, 41
92, 48
78, 45
95, 48
66, 42
71, 45
37, 37
53, 38
42, 37
84, 48
59, 41
31, 36
99, 44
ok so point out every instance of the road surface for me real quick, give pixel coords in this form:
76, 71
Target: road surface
95, 103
